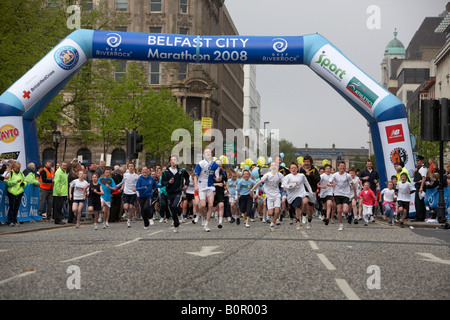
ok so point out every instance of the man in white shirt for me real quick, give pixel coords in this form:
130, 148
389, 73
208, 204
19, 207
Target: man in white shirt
420, 175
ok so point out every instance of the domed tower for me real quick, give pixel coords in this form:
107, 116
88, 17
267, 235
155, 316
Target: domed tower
394, 54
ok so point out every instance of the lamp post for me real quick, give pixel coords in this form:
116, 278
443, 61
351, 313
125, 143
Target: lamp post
56, 137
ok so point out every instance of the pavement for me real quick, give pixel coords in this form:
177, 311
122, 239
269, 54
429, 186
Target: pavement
43, 225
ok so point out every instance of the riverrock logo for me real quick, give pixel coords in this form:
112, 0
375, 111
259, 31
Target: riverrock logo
114, 40
280, 45
67, 57
362, 92
8, 133
395, 133
399, 155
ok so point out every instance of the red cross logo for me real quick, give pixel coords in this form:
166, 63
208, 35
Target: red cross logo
26, 94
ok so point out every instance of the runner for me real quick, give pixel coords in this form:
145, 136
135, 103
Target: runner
404, 189
389, 199
367, 200
204, 173
108, 186
220, 184
129, 192
94, 203
232, 183
353, 200
312, 175
326, 193
176, 180
272, 180
295, 184
79, 187
145, 185
342, 183
245, 197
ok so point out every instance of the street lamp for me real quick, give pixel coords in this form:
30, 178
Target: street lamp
56, 137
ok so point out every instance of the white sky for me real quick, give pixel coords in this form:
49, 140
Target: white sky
293, 98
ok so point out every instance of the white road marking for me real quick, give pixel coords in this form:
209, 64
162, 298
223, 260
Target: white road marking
206, 251
131, 241
151, 234
81, 257
326, 262
432, 258
313, 245
17, 277
345, 288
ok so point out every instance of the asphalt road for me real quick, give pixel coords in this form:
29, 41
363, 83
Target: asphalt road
376, 262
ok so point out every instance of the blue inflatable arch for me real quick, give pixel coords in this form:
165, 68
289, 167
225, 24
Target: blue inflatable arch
21, 104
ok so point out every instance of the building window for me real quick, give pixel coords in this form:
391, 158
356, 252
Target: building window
118, 157
49, 155
86, 154
121, 5
155, 29
183, 6
87, 5
120, 69
184, 30
155, 72
155, 5
183, 71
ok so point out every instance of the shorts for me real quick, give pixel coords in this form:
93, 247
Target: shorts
78, 201
403, 204
95, 204
311, 199
106, 203
272, 203
129, 198
189, 197
218, 197
283, 194
341, 200
296, 203
203, 194
367, 209
325, 199
232, 198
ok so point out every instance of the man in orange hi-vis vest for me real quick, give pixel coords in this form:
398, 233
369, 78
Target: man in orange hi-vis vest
46, 190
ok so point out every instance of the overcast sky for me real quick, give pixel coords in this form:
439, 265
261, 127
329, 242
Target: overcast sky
293, 98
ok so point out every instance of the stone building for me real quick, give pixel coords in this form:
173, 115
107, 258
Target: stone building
203, 90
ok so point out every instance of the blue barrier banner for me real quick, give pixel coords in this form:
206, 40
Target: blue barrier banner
29, 206
198, 49
432, 199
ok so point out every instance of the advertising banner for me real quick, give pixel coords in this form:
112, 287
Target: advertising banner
57, 65
432, 199
333, 66
204, 49
12, 140
29, 206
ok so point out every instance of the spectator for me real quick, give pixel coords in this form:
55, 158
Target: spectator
15, 183
91, 170
399, 167
2, 170
46, 190
30, 176
420, 175
369, 174
60, 192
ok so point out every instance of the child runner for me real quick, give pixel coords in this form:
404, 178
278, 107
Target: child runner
232, 183
243, 189
145, 185
353, 199
404, 189
129, 192
108, 185
389, 199
326, 193
368, 200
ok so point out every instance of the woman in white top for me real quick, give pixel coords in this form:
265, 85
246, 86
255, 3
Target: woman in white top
79, 187
295, 184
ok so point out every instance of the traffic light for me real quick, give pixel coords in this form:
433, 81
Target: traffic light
130, 144
445, 119
137, 144
429, 120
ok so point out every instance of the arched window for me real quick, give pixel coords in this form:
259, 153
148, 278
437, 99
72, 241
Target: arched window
87, 155
118, 157
48, 155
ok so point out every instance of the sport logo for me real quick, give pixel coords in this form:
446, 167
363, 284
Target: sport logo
395, 133
113, 40
66, 57
362, 92
8, 133
330, 67
280, 45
